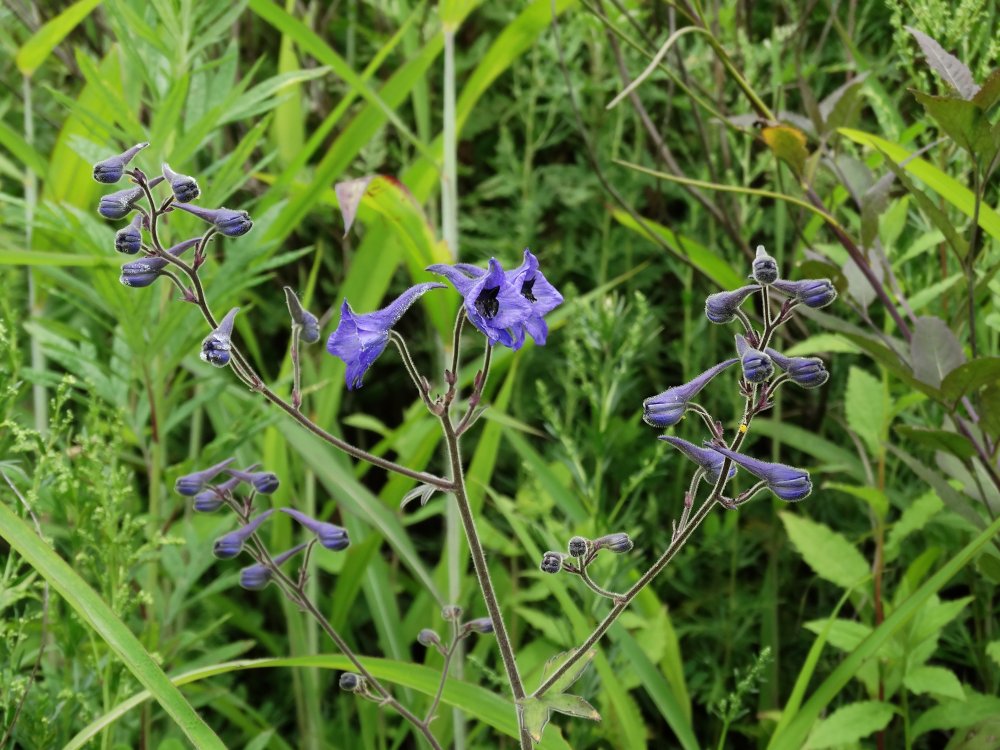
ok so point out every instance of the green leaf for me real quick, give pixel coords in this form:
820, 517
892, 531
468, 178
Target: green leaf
822, 343
34, 51
989, 93
954, 714
939, 440
535, 715
934, 681
954, 72
572, 675
875, 497
970, 377
11, 140
914, 518
788, 144
571, 705
867, 409
993, 651
965, 123
850, 723
934, 351
99, 617
842, 634
828, 553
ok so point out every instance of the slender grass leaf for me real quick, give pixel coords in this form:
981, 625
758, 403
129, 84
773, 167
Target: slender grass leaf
35, 51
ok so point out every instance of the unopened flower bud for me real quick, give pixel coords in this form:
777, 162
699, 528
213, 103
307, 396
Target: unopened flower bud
721, 307
352, 683
330, 535
479, 625
128, 239
428, 637
618, 543
229, 222
757, 366
807, 372
216, 346
257, 576
190, 485
184, 188
765, 268
551, 562
451, 612
111, 170
578, 546
813, 293
211, 499
308, 323
231, 544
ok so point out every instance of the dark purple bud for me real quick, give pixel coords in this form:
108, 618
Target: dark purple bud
111, 170
307, 322
210, 500
710, 461
667, 408
808, 372
231, 223
479, 625
618, 543
119, 205
263, 482
128, 239
257, 576
352, 683
757, 366
184, 188
551, 562
451, 612
146, 270
216, 346
428, 637
721, 307
814, 293
190, 485
231, 544
765, 268
578, 546
330, 536
788, 483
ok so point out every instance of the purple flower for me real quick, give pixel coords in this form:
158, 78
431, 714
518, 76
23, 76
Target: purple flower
667, 408
257, 576
551, 562
479, 625
765, 268
190, 485
808, 372
721, 307
111, 170
263, 482
812, 292
128, 239
231, 544
756, 365
708, 460
210, 500
216, 346
307, 322
231, 223
428, 637
493, 303
146, 270
360, 339
330, 536
120, 204
618, 543
184, 188
788, 483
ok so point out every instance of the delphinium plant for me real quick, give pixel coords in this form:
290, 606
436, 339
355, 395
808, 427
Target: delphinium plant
506, 307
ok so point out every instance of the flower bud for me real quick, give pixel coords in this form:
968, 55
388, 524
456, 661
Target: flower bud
231, 544
329, 535
257, 576
618, 543
216, 346
667, 408
111, 170
765, 268
352, 683
451, 612
118, 205
307, 322
428, 637
190, 485
229, 222
263, 482
211, 499
813, 293
128, 239
757, 366
551, 562
807, 372
721, 307
185, 189
146, 270
578, 546
479, 625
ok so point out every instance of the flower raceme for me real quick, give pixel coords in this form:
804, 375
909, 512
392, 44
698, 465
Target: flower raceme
360, 339
786, 482
807, 372
667, 408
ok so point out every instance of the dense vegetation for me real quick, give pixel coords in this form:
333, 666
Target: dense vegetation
856, 141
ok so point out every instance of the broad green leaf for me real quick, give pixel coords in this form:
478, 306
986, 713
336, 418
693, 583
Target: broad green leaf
965, 123
535, 715
98, 616
989, 93
828, 553
954, 714
867, 409
914, 518
33, 52
970, 377
875, 497
842, 634
850, 723
934, 351
788, 144
954, 72
822, 343
934, 680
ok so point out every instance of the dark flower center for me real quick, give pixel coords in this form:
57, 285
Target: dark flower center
487, 304
526, 288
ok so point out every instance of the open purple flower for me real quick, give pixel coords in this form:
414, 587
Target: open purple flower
184, 187
257, 576
786, 482
493, 303
814, 293
360, 339
721, 307
263, 482
231, 544
144, 271
329, 535
710, 461
128, 239
216, 346
231, 223
667, 408
757, 366
111, 170
190, 485
808, 372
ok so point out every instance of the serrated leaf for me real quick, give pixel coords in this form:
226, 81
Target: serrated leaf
964, 122
866, 408
955, 714
788, 144
934, 351
572, 705
828, 553
572, 675
850, 724
916, 515
935, 681
950, 68
970, 377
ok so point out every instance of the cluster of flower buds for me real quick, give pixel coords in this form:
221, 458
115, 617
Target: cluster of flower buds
586, 550
759, 364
